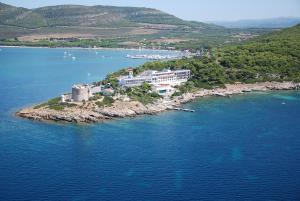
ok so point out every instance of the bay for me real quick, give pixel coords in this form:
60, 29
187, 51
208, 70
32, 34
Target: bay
243, 148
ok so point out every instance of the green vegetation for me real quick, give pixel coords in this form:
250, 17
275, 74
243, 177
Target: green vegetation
84, 43
52, 104
96, 96
112, 79
54, 101
57, 107
274, 57
107, 101
55, 104
142, 94
40, 105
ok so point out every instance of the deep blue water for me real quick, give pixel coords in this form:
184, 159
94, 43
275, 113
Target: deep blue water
243, 148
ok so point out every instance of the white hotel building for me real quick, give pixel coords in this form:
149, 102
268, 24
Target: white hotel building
161, 81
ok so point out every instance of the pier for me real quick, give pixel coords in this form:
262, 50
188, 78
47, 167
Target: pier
180, 109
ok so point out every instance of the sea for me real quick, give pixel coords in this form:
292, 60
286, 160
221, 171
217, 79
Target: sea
242, 148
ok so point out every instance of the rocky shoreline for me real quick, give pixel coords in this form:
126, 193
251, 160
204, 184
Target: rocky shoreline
91, 113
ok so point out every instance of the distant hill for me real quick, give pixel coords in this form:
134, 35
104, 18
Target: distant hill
86, 16
109, 26
283, 22
92, 21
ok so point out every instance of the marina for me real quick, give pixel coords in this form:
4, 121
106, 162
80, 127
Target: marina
152, 56
170, 56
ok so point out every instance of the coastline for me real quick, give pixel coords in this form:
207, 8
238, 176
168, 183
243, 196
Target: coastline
91, 113
87, 48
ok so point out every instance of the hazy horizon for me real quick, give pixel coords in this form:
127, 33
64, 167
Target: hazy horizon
258, 19
214, 10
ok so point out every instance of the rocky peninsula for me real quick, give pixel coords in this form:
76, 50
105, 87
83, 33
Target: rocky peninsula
90, 112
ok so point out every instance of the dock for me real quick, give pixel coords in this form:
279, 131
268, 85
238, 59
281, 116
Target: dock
180, 109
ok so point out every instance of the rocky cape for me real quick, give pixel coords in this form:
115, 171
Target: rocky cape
89, 112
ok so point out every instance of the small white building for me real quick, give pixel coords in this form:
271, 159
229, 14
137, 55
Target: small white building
65, 98
96, 89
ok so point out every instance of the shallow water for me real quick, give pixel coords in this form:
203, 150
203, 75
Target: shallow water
243, 148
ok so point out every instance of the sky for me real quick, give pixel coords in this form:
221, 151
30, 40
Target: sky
199, 10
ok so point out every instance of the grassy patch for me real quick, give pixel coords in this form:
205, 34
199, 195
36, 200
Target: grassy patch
177, 93
54, 101
95, 97
56, 107
107, 101
55, 104
40, 105
68, 104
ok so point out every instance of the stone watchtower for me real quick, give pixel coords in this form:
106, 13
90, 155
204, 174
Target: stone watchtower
81, 92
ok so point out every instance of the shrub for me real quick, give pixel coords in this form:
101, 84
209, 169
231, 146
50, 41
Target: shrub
143, 94
40, 105
56, 107
68, 104
95, 97
107, 101
55, 104
177, 93
54, 101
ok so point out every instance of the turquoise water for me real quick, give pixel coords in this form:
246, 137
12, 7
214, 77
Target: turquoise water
243, 148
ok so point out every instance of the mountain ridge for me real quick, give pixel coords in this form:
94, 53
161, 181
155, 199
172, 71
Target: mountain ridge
108, 26
87, 15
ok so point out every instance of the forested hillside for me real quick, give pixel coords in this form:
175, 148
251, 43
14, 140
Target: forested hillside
274, 56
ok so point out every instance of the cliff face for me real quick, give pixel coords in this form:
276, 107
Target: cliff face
91, 113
